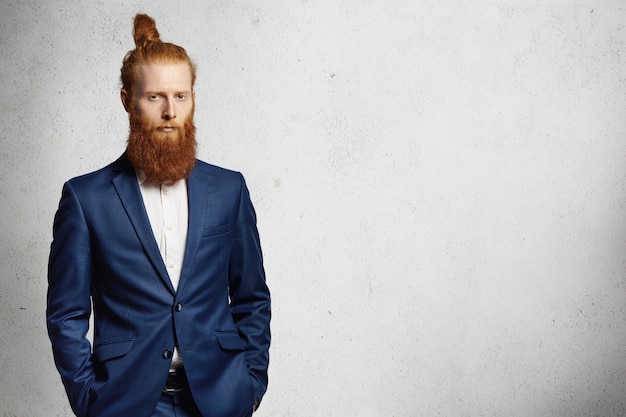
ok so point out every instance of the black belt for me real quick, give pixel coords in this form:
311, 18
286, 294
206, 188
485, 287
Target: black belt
176, 382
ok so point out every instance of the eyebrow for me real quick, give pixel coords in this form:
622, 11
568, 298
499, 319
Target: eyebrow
163, 93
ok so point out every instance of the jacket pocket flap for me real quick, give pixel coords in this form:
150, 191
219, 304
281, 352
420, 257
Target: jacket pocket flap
216, 230
112, 350
230, 341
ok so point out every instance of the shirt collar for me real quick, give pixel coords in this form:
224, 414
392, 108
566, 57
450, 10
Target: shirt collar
141, 176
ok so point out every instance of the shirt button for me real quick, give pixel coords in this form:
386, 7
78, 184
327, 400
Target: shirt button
167, 354
178, 307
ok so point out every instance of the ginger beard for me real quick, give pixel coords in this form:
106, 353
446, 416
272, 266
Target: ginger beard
163, 158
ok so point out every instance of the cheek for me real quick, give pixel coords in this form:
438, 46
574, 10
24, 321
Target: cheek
188, 112
147, 111
149, 116
185, 116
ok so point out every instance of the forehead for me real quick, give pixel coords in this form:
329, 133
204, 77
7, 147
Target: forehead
174, 77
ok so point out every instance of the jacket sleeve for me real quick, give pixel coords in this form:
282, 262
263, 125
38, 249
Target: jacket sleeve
250, 297
68, 300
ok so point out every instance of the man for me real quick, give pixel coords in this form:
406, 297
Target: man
166, 249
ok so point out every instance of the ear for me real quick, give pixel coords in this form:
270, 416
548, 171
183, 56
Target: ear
125, 99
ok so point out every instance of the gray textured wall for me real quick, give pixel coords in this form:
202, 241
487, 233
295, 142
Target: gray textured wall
441, 191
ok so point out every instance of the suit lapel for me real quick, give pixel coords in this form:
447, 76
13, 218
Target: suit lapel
199, 190
127, 188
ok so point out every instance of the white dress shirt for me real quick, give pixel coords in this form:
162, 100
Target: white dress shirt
168, 211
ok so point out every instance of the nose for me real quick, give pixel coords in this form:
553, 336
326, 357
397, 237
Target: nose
169, 112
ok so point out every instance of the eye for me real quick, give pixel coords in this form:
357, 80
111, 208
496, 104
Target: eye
153, 97
181, 96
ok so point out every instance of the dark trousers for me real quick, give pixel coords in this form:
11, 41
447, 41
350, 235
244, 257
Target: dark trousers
176, 405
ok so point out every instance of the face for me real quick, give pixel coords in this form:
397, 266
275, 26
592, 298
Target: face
161, 142
163, 97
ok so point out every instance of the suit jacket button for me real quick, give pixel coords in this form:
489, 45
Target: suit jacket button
178, 307
167, 354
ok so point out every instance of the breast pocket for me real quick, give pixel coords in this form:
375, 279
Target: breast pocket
215, 231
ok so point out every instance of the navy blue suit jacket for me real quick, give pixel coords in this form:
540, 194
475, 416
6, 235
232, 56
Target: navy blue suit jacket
104, 252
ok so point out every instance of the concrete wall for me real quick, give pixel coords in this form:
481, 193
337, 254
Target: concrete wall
441, 191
